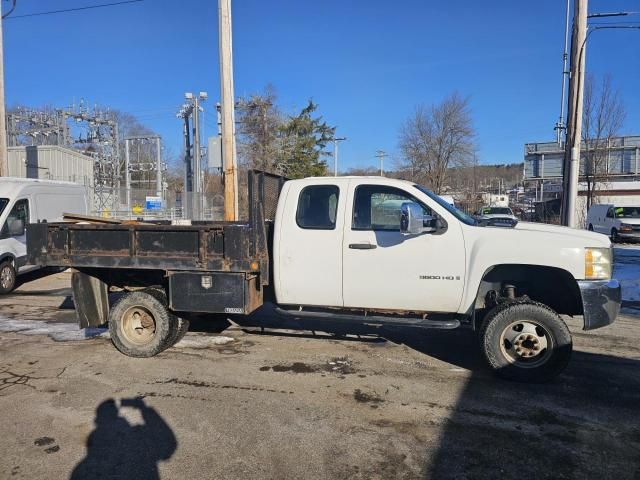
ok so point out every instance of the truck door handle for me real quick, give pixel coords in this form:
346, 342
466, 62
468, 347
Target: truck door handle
362, 246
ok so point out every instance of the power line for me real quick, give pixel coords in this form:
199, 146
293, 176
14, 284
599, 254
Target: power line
74, 9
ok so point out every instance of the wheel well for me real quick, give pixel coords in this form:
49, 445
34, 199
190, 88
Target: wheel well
10, 258
551, 286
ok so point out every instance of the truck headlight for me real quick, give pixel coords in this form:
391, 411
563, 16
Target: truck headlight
626, 227
597, 263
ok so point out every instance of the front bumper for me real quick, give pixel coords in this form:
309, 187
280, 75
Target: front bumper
633, 235
600, 301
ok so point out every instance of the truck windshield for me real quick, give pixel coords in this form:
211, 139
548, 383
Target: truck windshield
627, 212
3, 204
460, 215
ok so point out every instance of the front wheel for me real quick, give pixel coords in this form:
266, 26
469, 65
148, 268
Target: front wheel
615, 238
8, 277
525, 341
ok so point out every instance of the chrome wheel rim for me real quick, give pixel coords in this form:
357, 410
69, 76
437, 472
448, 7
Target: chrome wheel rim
138, 325
6, 277
526, 344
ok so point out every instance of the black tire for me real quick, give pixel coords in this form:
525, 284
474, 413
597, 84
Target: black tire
180, 326
614, 236
590, 228
505, 332
8, 276
145, 335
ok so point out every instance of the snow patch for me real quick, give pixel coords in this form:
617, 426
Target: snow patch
60, 332
626, 269
197, 341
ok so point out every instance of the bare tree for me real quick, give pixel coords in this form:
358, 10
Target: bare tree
437, 138
603, 117
259, 122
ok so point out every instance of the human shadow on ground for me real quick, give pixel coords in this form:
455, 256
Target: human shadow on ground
117, 449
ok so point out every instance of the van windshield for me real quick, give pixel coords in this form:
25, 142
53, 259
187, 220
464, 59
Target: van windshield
625, 212
3, 204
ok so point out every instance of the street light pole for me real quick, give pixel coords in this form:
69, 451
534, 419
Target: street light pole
335, 154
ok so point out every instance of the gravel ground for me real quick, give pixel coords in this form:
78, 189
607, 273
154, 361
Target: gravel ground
284, 404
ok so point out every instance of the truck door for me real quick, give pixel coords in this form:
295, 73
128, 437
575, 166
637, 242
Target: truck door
384, 269
308, 245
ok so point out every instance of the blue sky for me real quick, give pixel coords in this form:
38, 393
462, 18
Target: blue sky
367, 63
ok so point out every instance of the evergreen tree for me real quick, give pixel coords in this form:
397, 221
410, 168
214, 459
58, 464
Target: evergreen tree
304, 140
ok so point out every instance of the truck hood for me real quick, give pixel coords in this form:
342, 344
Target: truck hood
590, 239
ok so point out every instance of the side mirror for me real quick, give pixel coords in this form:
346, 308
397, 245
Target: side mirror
413, 221
16, 227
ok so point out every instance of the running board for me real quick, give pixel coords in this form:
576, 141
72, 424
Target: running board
371, 320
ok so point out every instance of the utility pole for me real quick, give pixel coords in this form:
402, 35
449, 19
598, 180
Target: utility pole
228, 116
381, 155
4, 161
335, 154
197, 160
127, 176
158, 168
574, 115
560, 125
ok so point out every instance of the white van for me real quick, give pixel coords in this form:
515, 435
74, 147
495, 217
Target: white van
23, 201
620, 223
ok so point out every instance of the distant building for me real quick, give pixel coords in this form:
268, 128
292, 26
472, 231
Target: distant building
543, 161
620, 174
50, 162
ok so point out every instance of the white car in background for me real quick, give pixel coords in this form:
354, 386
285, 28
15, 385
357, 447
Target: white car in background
486, 213
620, 223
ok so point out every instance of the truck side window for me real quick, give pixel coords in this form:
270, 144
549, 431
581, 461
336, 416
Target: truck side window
17, 220
377, 207
610, 213
317, 207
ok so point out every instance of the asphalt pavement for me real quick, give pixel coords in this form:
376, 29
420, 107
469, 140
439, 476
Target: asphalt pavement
284, 404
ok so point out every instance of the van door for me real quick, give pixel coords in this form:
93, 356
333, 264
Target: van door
308, 246
385, 269
608, 221
13, 236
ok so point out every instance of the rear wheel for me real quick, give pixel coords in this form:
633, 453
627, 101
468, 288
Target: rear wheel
140, 325
525, 341
180, 326
590, 228
8, 277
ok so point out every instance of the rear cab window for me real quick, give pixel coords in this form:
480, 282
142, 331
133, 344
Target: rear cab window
317, 207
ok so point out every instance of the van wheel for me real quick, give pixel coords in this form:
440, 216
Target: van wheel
525, 341
7, 277
140, 325
614, 236
590, 228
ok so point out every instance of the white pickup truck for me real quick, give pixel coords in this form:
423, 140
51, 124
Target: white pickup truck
368, 250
